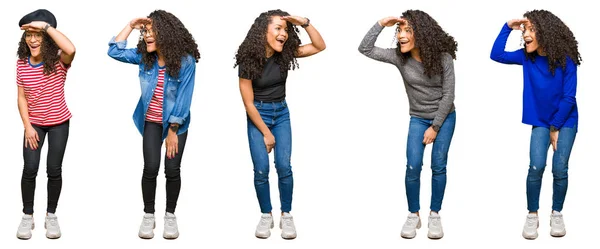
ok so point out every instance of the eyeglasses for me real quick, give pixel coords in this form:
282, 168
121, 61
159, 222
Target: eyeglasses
29, 36
145, 31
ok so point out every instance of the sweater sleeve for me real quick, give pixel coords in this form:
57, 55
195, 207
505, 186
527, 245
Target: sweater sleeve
567, 101
367, 47
447, 101
500, 55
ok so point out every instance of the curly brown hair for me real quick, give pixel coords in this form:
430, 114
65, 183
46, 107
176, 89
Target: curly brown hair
431, 40
250, 55
48, 50
555, 38
172, 39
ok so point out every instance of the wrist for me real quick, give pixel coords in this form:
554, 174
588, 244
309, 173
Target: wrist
46, 27
174, 127
553, 128
435, 128
305, 23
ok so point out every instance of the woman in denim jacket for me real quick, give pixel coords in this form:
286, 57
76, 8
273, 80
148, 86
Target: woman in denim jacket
166, 54
265, 56
549, 58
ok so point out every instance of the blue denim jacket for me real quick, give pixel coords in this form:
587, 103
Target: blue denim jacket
178, 91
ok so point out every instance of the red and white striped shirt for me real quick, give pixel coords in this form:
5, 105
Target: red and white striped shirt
155, 109
45, 94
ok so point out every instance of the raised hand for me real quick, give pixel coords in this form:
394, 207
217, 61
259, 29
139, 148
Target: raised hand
139, 23
296, 20
517, 24
390, 21
35, 26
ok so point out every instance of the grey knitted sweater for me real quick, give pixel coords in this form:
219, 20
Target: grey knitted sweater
429, 98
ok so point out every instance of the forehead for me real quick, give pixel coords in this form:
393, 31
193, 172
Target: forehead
276, 20
404, 25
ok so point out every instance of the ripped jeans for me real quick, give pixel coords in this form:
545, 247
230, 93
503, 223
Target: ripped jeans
277, 118
538, 152
439, 158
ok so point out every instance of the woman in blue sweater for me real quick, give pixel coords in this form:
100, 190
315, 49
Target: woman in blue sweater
549, 59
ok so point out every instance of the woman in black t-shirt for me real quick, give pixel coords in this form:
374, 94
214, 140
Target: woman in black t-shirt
267, 53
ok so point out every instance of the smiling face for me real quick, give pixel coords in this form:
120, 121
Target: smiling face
406, 39
277, 35
34, 42
531, 42
149, 38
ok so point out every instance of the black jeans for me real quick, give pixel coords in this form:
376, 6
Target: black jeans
152, 147
57, 142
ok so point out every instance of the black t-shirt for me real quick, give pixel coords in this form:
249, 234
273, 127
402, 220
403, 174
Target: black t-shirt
270, 87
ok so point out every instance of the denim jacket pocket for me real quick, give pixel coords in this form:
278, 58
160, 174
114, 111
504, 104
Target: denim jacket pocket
172, 86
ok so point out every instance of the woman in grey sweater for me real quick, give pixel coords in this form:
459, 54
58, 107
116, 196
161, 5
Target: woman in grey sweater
424, 56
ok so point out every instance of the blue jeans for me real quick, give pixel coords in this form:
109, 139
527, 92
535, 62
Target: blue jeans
277, 117
538, 152
439, 158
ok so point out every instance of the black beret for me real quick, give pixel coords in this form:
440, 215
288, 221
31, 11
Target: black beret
39, 15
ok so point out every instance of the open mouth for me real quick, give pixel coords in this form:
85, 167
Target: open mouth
403, 42
34, 46
149, 42
528, 41
281, 40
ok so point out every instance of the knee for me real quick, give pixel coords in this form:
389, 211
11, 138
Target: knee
413, 172
150, 170
261, 174
54, 172
29, 172
536, 171
172, 173
438, 169
284, 168
560, 172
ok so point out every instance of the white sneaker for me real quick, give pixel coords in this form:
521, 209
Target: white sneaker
435, 226
171, 231
27, 224
52, 227
288, 229
147, 227
409, 230
557, 224
263, 229
531, 225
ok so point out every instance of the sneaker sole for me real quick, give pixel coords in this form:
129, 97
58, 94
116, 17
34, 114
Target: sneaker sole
51, 236
530, 238
148, 236
430, 236
409, 235
289, 237
171, 237
558, 235
27, 236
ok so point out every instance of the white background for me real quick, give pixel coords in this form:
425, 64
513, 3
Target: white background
349, 121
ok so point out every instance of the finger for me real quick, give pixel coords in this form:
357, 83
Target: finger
554, 145
176, 149
37, 138
26, 142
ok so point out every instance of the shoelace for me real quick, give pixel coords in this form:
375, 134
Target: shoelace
264, 221
557, 219
52, 221
147, 221
435, 221
411, 221
531, 222
170, 221
26, 223
287, 221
